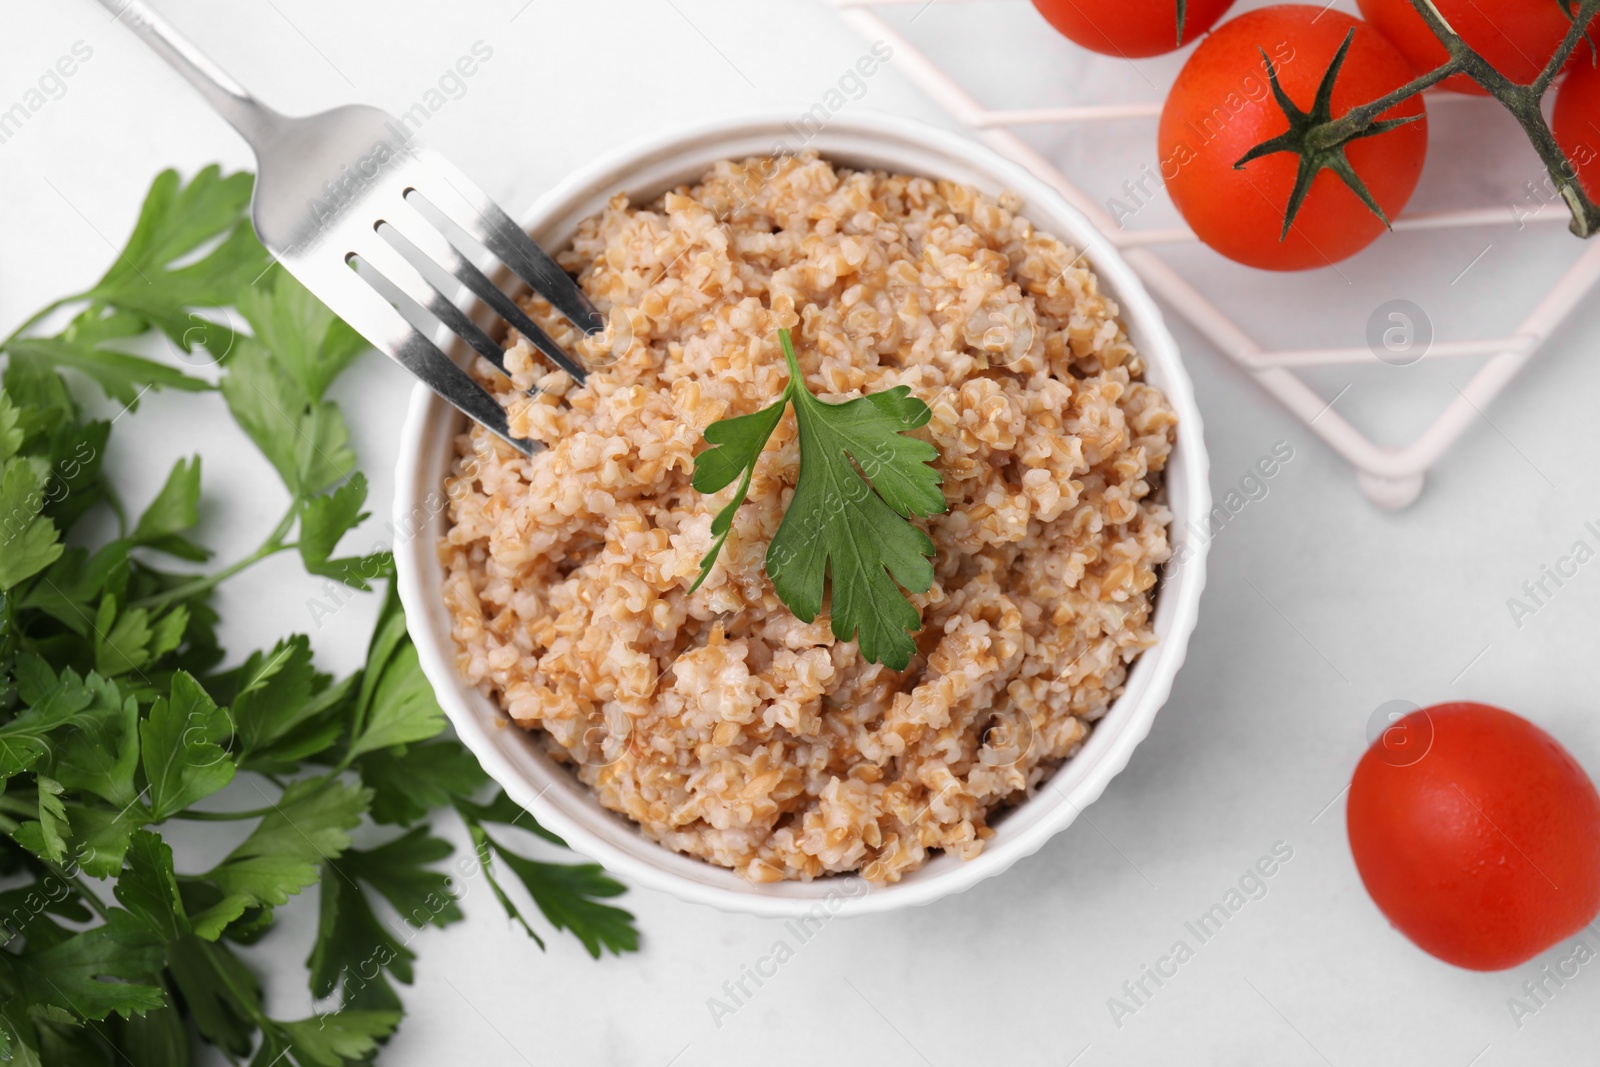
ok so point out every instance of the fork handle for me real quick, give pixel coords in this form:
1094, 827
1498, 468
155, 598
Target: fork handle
253, 119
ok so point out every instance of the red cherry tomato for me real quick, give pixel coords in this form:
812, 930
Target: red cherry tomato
1517, 36
1222, 106
1483, 844
1131, 28
1576, 122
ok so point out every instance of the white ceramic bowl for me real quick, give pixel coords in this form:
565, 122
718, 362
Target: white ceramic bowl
553, 794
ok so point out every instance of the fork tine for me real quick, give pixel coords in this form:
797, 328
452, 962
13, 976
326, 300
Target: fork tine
353, 299
388, 260
458, 199
417, 231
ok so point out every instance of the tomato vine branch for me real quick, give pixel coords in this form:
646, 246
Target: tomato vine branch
1318, 139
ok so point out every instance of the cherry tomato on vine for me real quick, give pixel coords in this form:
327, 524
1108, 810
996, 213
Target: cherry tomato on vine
1131, 28
1478, 836
1517, 36
1222, 107
1576, 122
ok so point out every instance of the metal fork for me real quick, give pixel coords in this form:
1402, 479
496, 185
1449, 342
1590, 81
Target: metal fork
342, 187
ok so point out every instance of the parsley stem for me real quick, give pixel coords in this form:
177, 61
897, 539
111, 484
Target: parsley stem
797, 380
38, 317
222, 816
285, 524
88, 895
205, 582
243, 997
13, 803
114, 501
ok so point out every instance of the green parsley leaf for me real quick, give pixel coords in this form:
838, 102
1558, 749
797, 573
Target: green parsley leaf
12, 433
43, 402
396, 705
35, 682
28, 542
100, 836
182, 758
409, 781
77, 454
148, 888
324, 520
324, 724
837, 526
174, 510
284, 710
568, 895
250, 927
24, 739
19, 1043
846, 529
507, 812
68, 975
305, 440
54, 827
121, 376
47, 836
400, 873
23, 910
221, 994
310, 823
737, 444
388, 635
337, 1039
155, 1039
354, 948
99, 754
71, 587
175, 222
403, 708
274, 693
313, 345
128, 640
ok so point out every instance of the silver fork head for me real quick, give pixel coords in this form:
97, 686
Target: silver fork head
345, 186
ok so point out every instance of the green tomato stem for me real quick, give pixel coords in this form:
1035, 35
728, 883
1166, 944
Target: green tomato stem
1360, 117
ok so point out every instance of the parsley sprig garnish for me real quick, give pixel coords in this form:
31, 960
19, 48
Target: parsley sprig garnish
847, 530
118, 724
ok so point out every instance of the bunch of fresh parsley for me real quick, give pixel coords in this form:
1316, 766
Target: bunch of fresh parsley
118, 722
847, 527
